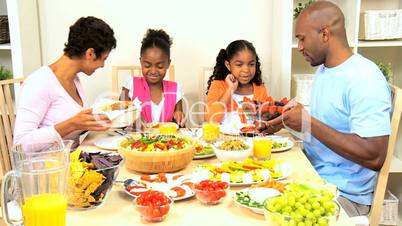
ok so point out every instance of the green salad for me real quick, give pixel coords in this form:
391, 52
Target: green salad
201, 150
277, 145
244, 198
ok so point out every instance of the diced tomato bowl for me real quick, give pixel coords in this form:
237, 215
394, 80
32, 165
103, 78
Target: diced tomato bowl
153, 206
211, 192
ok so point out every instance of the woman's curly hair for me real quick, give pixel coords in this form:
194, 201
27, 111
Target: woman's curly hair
89, 32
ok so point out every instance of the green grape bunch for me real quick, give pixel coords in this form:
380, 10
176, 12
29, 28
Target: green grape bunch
303, 207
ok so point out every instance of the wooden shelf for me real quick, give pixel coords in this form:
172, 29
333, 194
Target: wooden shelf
396, 165
294, 45
5, 46
380, 43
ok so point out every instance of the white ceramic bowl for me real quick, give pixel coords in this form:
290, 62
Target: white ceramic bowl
233, 155
120, 118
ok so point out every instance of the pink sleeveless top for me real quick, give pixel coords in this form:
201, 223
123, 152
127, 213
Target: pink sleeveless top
142, 92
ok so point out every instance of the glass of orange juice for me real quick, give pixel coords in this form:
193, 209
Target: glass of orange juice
262, 147
168, 128
210, 131
41, 173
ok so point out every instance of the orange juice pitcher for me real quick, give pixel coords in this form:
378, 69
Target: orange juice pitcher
39, 180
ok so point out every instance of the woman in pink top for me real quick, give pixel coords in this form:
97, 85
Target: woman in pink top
161, 99
52, 101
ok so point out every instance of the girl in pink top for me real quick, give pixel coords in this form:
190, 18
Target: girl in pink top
161, 99
52, 102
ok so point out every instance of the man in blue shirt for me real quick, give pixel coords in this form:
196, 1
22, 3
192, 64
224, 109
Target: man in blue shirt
350, 109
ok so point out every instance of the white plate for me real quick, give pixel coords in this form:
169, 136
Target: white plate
108, 142
165, 187
250, 192
286, 171
186, 196
204, 156
187, 132
203, 174
288, 147
207, 155
282, 139
232, 129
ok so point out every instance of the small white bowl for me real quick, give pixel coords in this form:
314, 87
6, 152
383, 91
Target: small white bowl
233, 155
260, 194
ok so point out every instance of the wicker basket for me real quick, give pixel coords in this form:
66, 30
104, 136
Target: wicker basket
156, 162
4, 32
389, 214
381, 25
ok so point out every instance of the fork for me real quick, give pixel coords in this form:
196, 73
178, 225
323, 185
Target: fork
125, 135
193, 132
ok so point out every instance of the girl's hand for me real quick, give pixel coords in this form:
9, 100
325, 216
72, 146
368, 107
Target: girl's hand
180, 118
232, 82
85, 120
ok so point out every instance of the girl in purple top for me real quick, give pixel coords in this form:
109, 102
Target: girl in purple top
52, 102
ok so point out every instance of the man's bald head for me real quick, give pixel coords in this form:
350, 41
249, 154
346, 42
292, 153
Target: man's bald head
323, 14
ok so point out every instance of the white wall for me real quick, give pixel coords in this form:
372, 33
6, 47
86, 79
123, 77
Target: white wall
199, 29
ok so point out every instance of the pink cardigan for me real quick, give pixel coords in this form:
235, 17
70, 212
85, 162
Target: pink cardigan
43, 102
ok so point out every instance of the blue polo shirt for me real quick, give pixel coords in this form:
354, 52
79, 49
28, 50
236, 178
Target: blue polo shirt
352, 97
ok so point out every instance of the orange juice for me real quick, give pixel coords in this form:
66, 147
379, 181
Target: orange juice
167, 128
210, 131
262, 148
45, 210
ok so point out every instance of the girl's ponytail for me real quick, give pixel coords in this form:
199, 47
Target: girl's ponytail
220, 69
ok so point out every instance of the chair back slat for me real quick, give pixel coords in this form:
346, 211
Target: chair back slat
9, 103
382, 179
7, 120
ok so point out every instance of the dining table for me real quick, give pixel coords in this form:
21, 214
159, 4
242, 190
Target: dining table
118, 208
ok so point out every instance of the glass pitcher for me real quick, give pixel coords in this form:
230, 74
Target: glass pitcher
38, 183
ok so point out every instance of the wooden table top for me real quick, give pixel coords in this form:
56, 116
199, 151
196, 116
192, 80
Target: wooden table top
118, 208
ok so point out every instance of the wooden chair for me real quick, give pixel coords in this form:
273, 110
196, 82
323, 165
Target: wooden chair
7, 114
122, 72
7, 111
382, 180
203, 84
381, 185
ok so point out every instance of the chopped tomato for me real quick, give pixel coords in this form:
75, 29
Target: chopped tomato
175, 177
137, 144
161, 146
161, 178
189, 184
147, 178
144, 147
198, 148
211, 191
179, 191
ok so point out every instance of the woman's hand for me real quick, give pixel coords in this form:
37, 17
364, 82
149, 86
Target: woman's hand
180, 118
232, 82
85, 120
